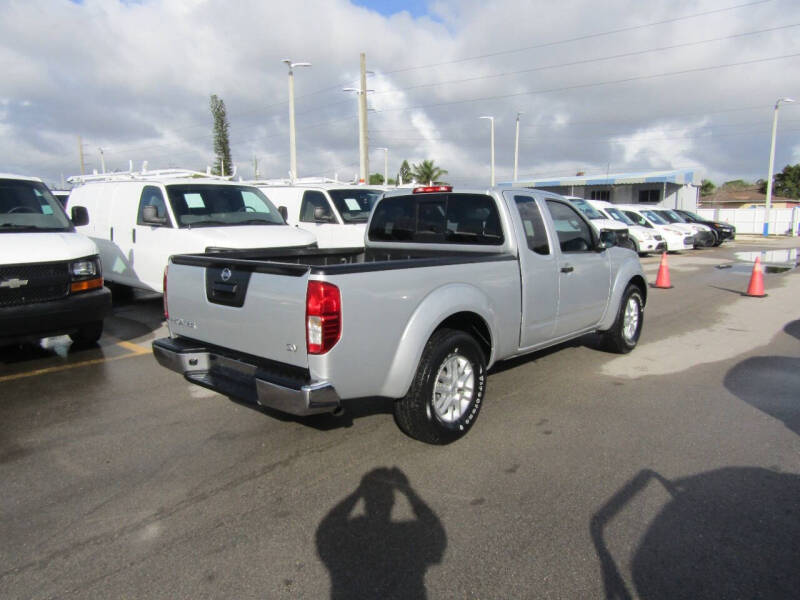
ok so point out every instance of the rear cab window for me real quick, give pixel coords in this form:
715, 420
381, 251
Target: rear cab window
447, 218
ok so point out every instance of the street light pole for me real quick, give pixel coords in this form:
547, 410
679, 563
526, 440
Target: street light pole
772, 163
516, 149
385, 165
491, 120
292, 138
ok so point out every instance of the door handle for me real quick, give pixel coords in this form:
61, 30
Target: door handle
567, 269
133, 235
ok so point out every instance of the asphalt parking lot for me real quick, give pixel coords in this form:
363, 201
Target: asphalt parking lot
672, 472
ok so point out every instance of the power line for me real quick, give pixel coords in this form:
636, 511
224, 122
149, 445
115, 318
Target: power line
580, 38
588, 60
588, 85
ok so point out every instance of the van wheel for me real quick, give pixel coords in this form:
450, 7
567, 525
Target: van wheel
624, 333
87, 335
447, 392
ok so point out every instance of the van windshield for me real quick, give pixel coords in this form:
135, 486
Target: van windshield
654, 217
671, 216
618, 215
587, 209
29, 206
355, 204
203, 205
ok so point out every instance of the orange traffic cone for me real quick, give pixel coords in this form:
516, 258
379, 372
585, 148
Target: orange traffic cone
756, 286
662, 279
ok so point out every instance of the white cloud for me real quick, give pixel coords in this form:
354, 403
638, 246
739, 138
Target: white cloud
135, 79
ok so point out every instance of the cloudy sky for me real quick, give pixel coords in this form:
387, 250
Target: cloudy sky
615, 86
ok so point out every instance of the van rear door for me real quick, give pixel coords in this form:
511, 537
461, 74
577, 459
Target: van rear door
251, 307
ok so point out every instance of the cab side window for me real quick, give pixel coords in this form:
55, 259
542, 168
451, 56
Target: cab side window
152, 196
535, 232
574, 234
311, 202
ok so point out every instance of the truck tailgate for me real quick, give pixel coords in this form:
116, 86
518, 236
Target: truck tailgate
240, 305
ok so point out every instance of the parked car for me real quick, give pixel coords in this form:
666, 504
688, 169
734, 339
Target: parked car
704, 237
675, 238
449, 283
600, 221
51, 278
139, 221
645, 239
335, 213
724, 231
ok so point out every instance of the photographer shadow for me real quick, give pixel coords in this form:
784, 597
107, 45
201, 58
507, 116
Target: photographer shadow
373, 556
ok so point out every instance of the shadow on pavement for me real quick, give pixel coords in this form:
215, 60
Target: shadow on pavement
373, 556
356, 408
728, 533
793, 329
770, 384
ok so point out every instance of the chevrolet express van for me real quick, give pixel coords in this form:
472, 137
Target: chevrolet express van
140, 220
51, 280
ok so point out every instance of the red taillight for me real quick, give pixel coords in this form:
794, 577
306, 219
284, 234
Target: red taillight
429, 189
166, 309
323, 317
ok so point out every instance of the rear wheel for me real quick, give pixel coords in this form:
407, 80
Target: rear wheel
88, 334
446, 395
624, 334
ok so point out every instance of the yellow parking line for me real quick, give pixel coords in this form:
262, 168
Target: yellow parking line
136, 350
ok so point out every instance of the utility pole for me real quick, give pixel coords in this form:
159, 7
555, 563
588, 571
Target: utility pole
102, 161
80, 153
363, 147
292, 138
255, 167
491, 142
516, 149
772, 163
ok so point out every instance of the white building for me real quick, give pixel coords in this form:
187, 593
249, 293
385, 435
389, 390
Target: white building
670, 189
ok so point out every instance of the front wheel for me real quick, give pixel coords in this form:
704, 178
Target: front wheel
624, 333
447, 392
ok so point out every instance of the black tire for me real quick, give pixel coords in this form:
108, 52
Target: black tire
88, 335
618, 339
417, 415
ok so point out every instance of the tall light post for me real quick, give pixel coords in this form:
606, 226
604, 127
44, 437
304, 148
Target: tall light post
516, 148
363, 159
491, 120
385, 165
292, 138
772, 162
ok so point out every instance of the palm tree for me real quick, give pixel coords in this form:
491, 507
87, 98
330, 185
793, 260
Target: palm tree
427, 172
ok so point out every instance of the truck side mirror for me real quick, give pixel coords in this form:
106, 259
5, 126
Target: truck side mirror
608, 239
283, 212
79, 216
150, 216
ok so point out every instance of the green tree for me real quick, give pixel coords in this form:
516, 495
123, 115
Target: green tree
426, 172
736, 184
404, 174
786, 183
375, 179
707, 187
223, 164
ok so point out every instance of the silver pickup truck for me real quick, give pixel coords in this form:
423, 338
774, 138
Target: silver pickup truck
449, 283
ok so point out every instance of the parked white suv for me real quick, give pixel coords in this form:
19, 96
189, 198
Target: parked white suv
646, 239
335, 213
51, 280
140, 220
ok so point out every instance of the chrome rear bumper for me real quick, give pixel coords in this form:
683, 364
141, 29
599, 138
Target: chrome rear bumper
242, 378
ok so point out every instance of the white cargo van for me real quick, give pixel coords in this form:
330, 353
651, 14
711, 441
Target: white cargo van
335, 213
51, 280
139, 220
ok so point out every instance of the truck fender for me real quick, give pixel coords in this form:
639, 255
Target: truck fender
630, 271
434, 309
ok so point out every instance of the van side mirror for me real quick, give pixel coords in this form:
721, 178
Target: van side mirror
322, 216
608, 239
150, 216
283, 212
79, 216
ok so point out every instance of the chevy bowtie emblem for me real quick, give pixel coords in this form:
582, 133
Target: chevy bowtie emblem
13, 283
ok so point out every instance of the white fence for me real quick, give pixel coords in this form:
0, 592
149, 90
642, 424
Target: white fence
782, 221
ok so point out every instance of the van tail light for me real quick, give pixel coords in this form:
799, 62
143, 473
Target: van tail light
323, 317
166, 308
